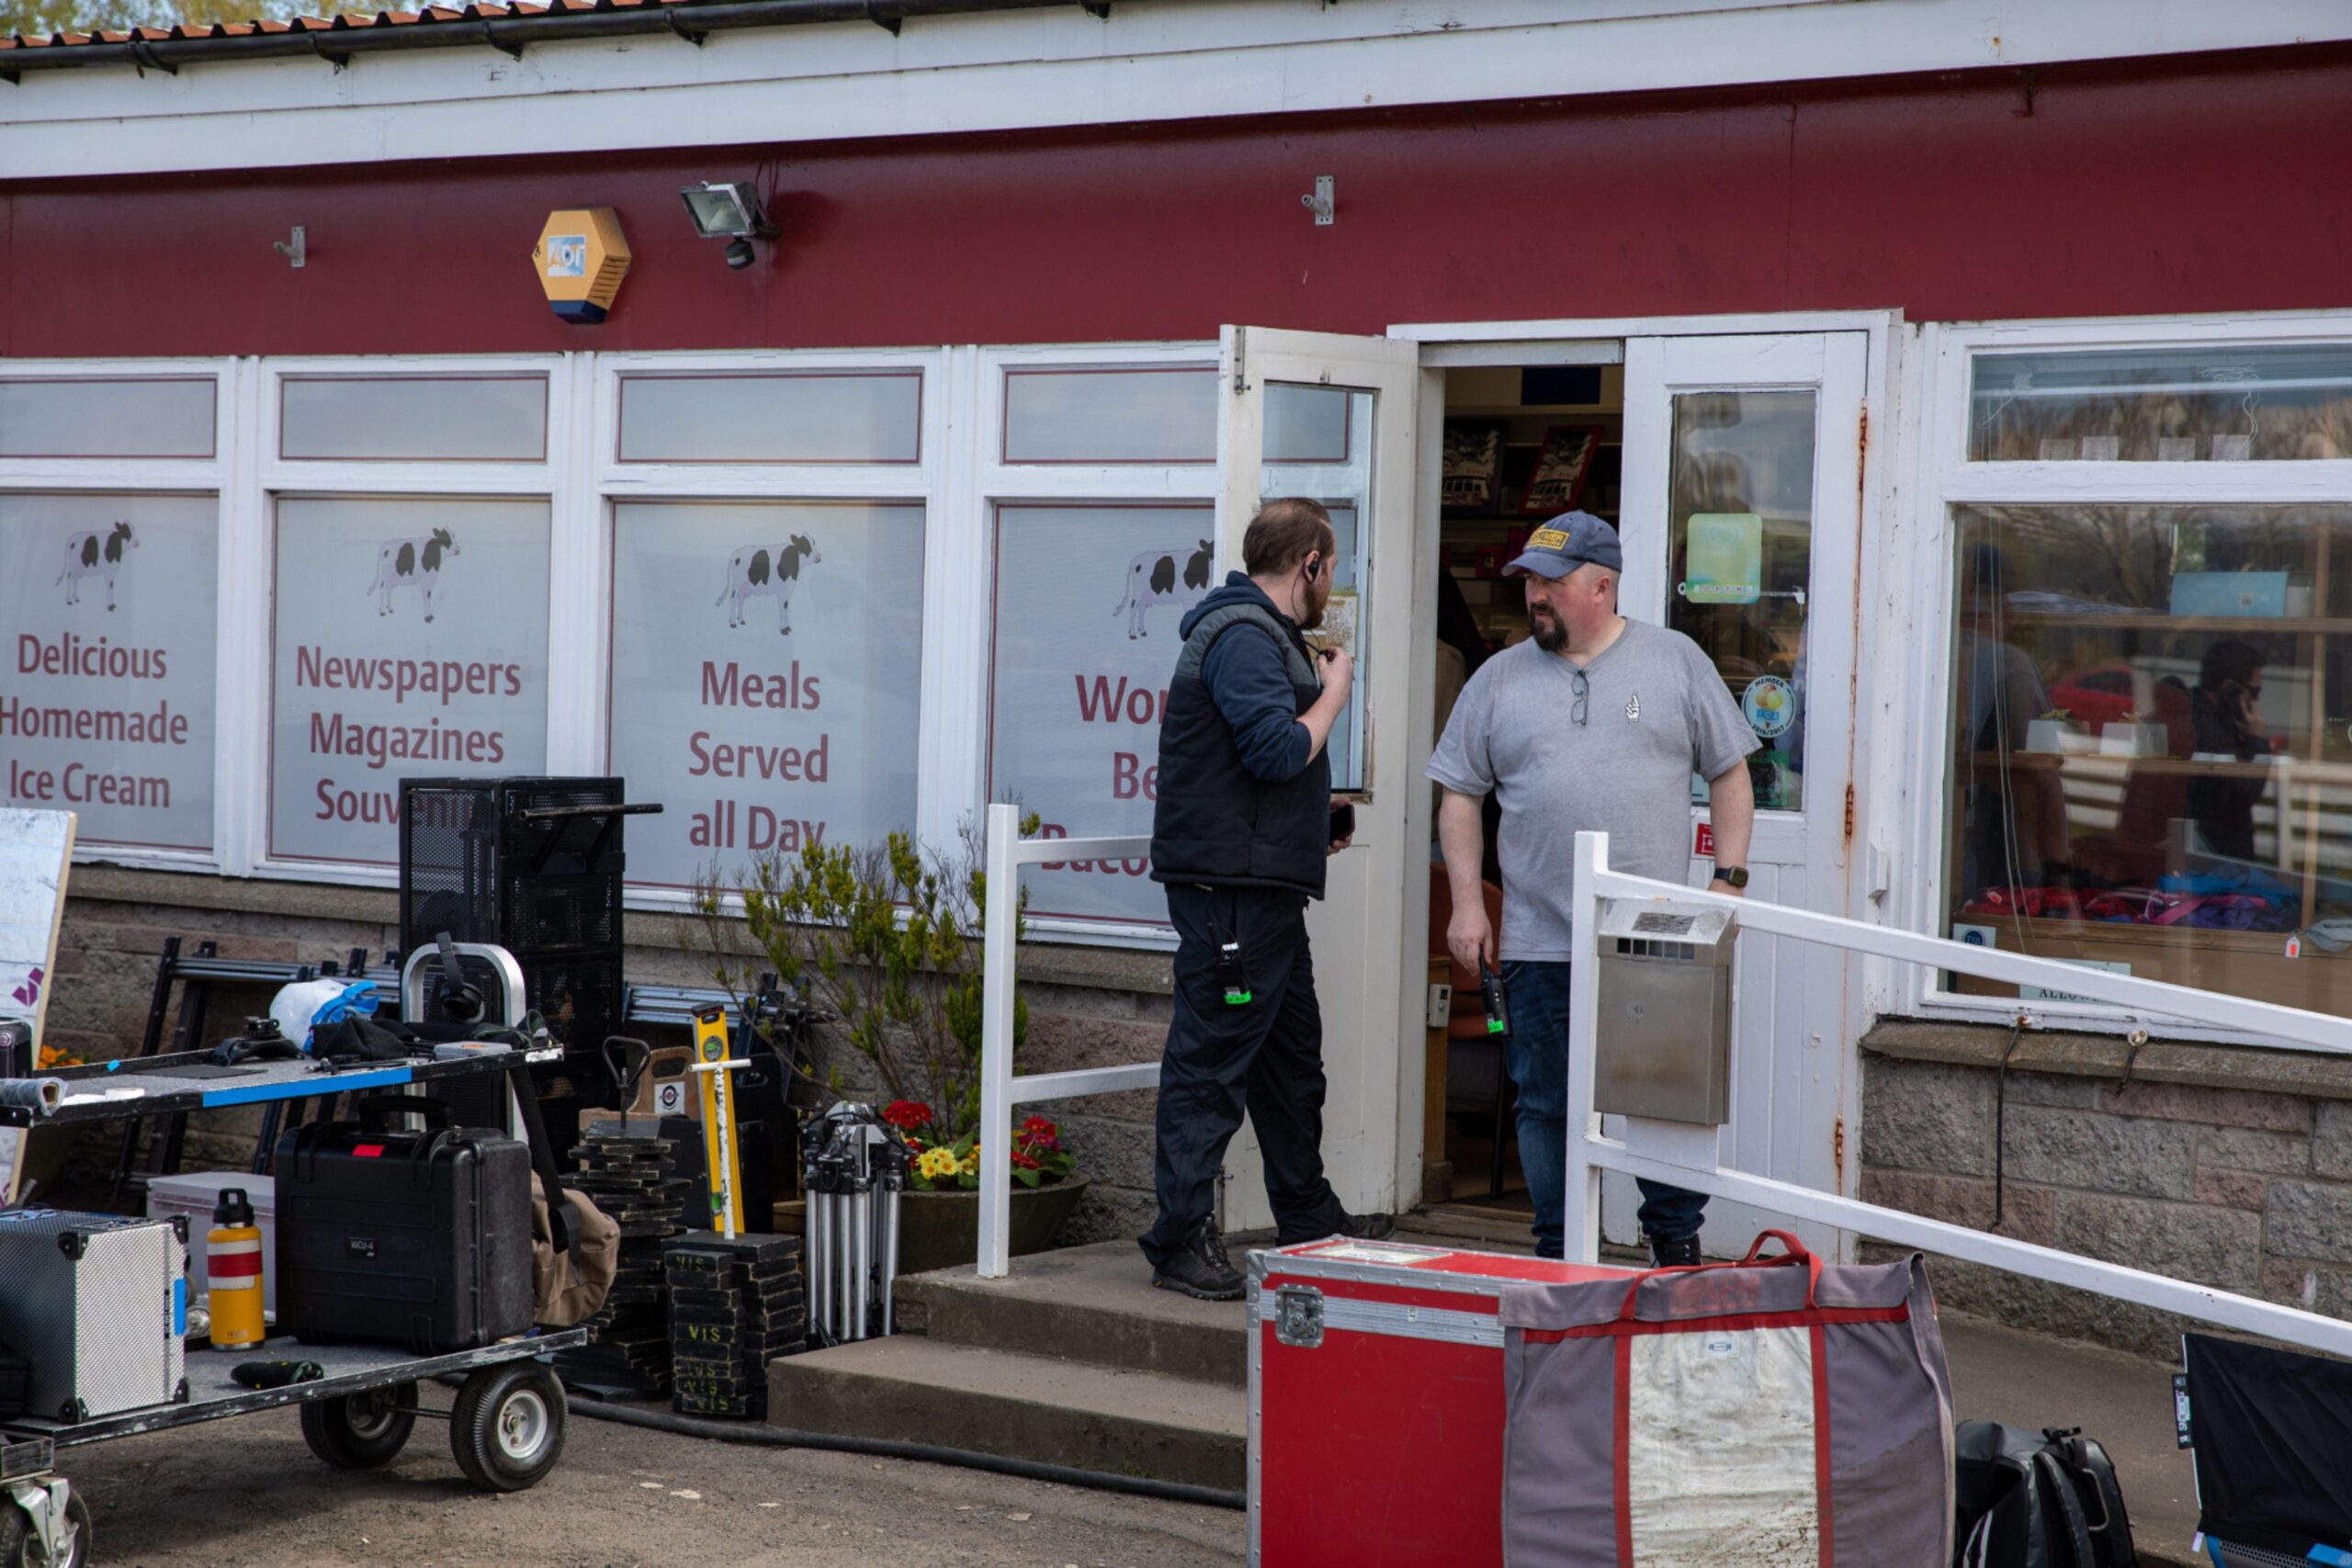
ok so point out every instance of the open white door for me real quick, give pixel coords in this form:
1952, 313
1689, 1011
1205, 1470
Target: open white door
1332, 417
1741, 516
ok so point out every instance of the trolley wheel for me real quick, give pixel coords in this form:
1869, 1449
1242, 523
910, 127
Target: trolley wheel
21, 1547
360, 1431
507, 1426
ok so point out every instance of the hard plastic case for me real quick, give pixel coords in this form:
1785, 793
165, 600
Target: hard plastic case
97, 1304
416, 1240
1376, 1409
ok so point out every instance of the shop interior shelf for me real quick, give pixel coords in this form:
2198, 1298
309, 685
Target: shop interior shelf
2157, 620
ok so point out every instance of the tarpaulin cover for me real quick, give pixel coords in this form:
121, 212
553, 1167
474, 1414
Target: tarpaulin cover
2273, 1433
1775, 1413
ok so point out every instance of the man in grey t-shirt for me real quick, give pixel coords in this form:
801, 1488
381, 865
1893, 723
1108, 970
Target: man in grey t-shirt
1597, 724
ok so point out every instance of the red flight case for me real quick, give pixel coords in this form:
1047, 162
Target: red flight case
1376, 1402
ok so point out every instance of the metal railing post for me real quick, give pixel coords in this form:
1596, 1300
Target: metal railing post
1581, 1215
996, 1042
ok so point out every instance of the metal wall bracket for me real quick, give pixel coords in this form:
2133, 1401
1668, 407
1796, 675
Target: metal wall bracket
1322, 203
1101, 8
294, 251
1299, 1315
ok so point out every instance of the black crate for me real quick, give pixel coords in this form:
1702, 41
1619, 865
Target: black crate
475, 863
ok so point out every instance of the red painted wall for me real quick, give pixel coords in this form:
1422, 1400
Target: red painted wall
2192, 185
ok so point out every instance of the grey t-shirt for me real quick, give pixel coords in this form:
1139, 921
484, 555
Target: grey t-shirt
1656, 712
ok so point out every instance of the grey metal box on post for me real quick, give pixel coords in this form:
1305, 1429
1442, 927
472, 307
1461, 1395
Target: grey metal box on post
1663, 1049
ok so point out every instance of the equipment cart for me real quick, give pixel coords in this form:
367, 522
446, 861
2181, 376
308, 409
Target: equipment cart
506, 1424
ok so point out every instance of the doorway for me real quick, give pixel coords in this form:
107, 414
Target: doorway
1731, 466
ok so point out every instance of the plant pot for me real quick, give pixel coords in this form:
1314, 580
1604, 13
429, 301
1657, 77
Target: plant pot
941, 1230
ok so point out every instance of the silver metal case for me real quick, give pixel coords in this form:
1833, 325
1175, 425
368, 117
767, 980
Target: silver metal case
1663, 1048
98, 1305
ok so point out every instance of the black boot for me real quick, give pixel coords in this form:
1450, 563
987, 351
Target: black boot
1359, 1227
1682, 1252
1200, 1268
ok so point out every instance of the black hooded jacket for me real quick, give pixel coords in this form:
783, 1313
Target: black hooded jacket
1240, 803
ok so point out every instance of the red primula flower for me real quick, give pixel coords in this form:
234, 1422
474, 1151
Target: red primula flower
907, 1114
1023, 1162
1039, 1124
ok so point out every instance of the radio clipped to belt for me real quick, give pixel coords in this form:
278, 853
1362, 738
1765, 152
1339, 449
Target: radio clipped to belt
1230, 975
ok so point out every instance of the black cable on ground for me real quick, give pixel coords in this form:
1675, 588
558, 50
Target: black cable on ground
762, 1435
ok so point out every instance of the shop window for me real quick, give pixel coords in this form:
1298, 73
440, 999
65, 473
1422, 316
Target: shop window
1079, 694
2150, 762
1741, 489
456, 419
2226, 402
784, 712
435, 667
834, 416
106, 697
1110, 414
78, 417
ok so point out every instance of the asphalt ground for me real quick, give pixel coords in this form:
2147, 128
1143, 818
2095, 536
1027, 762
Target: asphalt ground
247, 1493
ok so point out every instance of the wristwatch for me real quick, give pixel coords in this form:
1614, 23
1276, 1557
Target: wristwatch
1732, 875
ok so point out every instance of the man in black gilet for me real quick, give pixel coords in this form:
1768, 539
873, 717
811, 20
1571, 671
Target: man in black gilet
1240, 833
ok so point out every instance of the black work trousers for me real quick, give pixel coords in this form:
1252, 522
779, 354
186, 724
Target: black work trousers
1265, 1056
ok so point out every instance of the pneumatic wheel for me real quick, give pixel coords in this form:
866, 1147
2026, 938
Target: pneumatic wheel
21, 1547
360, 1431
507, 1426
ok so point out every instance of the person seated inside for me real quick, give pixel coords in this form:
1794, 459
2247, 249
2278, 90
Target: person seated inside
2227, 713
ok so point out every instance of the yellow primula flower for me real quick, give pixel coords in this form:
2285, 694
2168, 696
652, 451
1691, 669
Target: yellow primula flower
971, 1165
936, 1164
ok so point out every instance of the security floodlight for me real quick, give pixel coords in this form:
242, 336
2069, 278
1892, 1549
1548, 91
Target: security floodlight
725, 211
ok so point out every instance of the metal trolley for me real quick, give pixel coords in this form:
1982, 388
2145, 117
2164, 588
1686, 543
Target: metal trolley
506, 1424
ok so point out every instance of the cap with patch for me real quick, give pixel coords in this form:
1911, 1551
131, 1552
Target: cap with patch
1567, 542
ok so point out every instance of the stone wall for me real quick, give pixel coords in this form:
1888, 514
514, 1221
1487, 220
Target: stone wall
1089, 1007
2227, 1167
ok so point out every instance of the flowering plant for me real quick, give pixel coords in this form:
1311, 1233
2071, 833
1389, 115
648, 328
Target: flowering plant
1038, 1156
887, 942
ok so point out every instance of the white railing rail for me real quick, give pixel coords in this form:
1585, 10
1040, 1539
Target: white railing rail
1000, 1090
1688, 1155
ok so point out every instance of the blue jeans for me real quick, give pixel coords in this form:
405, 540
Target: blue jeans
1537, 990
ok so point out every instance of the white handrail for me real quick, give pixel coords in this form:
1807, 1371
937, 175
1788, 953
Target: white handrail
1000, 1090
1690, 1157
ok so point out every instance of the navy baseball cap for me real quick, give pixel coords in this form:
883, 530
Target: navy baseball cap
1567, 542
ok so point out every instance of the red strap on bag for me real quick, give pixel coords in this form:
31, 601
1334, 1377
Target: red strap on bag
1793, 1252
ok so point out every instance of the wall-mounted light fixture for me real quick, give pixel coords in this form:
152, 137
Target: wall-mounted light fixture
729, 210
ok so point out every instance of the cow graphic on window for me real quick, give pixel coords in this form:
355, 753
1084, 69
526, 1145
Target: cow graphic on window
96, 555
1154, 578
755, 571
410, 563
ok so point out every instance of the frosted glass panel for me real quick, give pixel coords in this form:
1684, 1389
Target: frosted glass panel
421, 418
1111, 416
107, 694
1306, 425
831, 418
107, 419
411, 641
1079, 694
787, 712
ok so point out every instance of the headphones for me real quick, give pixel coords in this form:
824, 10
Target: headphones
1314, 568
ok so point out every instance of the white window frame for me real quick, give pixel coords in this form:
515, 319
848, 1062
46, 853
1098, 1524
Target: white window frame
130, 476
249, 552
581, 713
1945, 478
996, 483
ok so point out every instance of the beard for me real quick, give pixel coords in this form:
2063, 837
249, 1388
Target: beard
1550, 634
1318, 595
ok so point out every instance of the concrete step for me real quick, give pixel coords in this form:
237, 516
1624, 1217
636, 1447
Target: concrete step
914, 1389
1094, 1304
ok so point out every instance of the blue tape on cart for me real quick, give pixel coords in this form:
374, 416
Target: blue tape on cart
303, 1088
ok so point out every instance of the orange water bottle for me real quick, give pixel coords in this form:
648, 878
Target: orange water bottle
233, 1271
